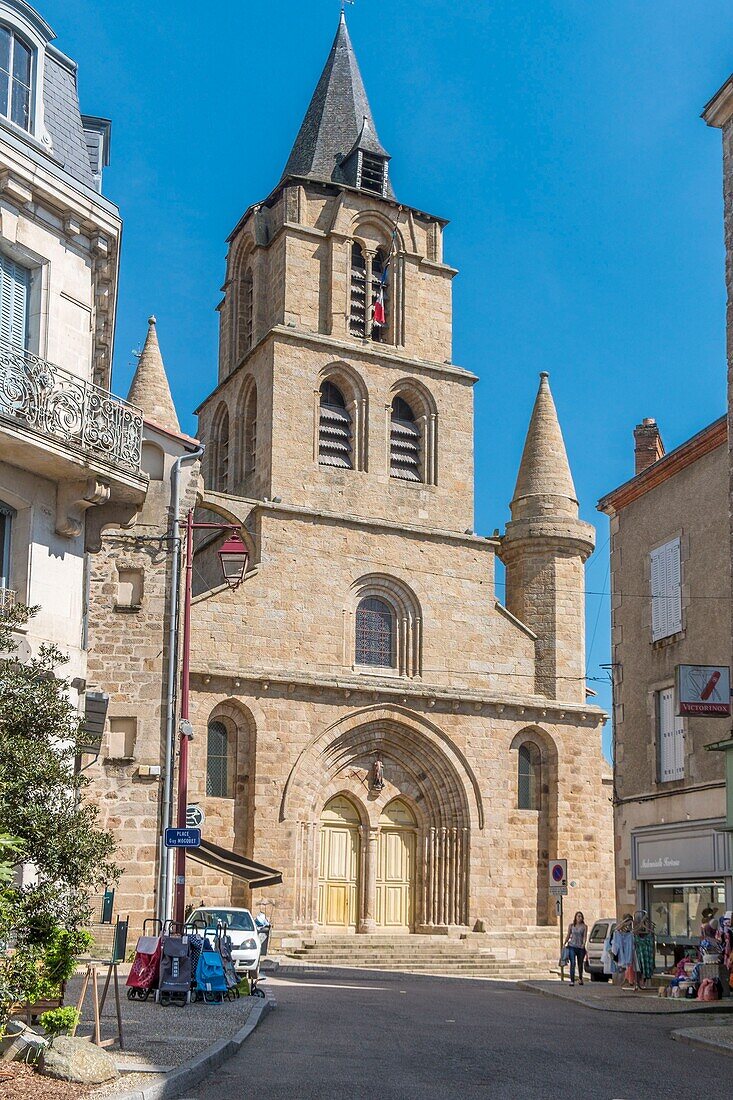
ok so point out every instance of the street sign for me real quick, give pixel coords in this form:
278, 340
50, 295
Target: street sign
182, 838
558, 874
195, 817
559, 891
703, 690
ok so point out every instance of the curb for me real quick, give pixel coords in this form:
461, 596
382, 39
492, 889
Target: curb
684, 1036
712, 1006
193, 1071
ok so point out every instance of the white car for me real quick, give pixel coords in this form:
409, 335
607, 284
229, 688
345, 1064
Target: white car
240, 927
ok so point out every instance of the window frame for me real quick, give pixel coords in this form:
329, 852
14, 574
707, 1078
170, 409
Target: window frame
225, 763
17, 35
530, 751
6, 546
376, 665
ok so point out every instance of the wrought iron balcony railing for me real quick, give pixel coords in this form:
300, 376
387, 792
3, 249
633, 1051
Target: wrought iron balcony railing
55, 403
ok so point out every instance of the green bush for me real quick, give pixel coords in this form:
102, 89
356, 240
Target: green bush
59, 1021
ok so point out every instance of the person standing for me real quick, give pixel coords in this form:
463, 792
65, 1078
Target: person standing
575, 941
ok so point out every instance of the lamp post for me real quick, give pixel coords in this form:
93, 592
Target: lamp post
233, 556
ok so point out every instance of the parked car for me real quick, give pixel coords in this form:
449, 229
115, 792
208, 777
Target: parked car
241, 928
594, 948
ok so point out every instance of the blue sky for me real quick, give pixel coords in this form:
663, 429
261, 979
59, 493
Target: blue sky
562, 140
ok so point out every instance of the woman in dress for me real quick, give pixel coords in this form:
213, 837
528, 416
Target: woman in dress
575, 940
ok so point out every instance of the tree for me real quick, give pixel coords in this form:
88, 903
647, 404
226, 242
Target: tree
44, 817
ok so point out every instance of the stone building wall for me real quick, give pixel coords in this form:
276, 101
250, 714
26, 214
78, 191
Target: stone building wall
691, 504
507, 849
128, 658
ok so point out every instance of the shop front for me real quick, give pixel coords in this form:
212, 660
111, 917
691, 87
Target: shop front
684, 877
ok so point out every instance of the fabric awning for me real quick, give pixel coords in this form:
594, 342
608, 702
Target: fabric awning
231, 863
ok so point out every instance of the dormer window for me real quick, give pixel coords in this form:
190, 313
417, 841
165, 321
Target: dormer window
16, 61
372, 173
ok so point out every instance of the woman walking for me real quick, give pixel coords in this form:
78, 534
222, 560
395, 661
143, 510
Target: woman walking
575, 941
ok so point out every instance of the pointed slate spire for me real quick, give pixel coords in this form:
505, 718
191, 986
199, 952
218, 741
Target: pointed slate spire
149, 389
544, 483
338, 117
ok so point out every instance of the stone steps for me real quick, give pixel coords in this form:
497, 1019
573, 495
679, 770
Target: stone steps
413, 954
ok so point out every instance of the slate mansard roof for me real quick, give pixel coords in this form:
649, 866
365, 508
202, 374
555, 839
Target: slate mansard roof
63, 119
338, 120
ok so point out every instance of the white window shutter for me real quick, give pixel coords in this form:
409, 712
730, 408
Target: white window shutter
659, 603
671, 738
14, 286
679, 748
666, 590
674, 588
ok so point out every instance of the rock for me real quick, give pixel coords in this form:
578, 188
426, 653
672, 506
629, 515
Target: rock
480, 926
77, 1060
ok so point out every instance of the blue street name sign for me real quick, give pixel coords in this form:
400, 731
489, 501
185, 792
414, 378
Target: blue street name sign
182, 838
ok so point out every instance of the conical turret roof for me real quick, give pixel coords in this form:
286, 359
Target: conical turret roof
337, 118
149, 389
544, 483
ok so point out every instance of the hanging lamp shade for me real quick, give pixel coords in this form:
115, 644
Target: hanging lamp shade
234, 556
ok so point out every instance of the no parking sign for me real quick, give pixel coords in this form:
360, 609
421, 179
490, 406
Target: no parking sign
558, 876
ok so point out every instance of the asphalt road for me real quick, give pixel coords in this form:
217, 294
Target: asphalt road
396, 1037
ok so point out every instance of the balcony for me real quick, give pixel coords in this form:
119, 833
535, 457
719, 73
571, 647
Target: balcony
39, 397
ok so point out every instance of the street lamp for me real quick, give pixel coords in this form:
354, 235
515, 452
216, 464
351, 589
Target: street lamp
233, 556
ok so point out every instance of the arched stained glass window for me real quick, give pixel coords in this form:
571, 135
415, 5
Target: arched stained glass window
528, 776
217, 761
223, 453
250, 433
375, 633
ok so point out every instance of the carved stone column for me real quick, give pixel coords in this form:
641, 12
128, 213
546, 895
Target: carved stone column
368, 922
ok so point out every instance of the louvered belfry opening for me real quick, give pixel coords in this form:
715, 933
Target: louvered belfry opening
379, 332
372, 173
358, 310
335, 445
404, 443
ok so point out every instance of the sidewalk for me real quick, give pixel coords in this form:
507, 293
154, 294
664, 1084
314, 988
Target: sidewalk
161, 1042
717, 1036
612, 998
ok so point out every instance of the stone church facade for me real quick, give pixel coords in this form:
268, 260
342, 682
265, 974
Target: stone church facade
369, 718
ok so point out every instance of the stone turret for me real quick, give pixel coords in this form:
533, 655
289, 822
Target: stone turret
544, 551
150, 390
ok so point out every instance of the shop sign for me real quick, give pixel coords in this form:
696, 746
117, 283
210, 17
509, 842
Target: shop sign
677, 854
703, 691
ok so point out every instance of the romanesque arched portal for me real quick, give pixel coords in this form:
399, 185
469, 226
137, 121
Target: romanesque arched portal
426, 782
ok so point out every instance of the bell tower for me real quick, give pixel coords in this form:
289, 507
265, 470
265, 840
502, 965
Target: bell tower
337, 390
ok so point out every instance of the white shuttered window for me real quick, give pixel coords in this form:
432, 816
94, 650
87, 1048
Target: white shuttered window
671, 738
14, 287
666, 590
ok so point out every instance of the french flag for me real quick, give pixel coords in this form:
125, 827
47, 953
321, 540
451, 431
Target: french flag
379, 318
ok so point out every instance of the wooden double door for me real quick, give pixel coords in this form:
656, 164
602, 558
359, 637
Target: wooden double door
392, 880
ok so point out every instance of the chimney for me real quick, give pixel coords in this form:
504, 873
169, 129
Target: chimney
648, 446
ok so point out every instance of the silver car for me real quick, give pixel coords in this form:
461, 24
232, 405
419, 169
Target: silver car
594, 948
241, 929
